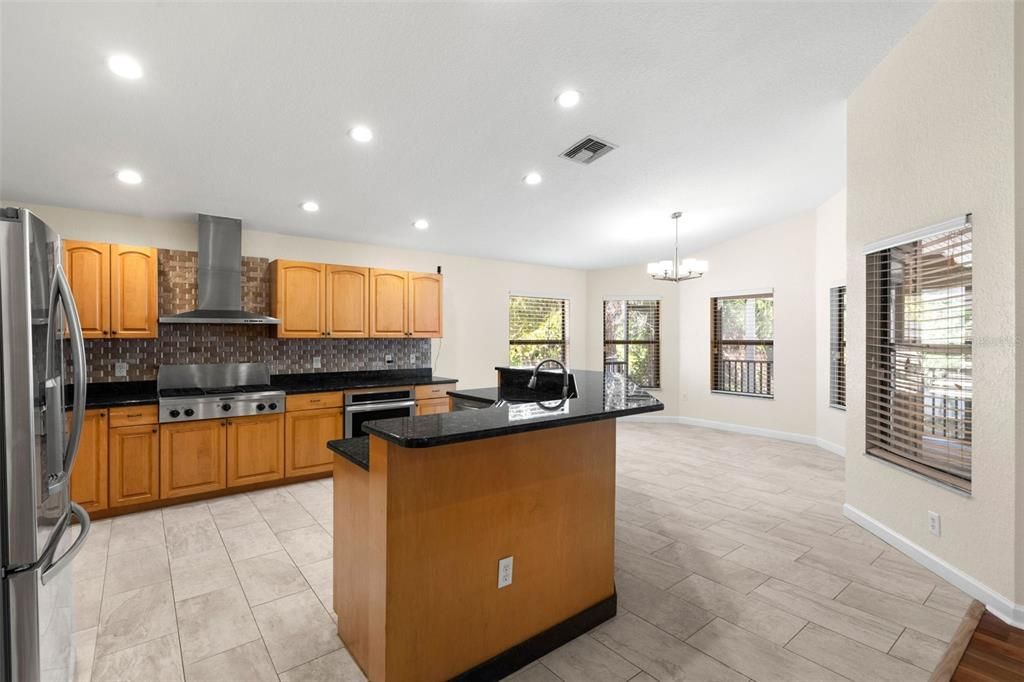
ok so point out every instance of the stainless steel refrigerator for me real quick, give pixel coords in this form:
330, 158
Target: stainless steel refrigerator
39, 328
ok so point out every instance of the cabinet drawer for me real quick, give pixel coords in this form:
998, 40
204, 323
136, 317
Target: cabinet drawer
433, 406
133, 416
313, 401
428, 391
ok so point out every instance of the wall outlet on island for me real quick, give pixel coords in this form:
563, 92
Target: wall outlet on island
389, 358
504, 572
316, 362
934, 523
120, 369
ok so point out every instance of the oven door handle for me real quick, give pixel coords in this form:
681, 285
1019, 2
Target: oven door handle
370, 407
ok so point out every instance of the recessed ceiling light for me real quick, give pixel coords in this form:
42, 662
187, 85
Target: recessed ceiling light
361, 134
568, 99
129, 176
310, 206
125, 66
421, 224
532, 178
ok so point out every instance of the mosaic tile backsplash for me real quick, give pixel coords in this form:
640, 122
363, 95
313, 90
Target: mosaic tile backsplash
215, 343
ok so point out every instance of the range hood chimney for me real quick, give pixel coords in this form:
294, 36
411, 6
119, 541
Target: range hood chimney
220, 277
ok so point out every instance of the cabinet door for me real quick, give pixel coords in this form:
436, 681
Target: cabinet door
388, 303
426, 310
133, 292
433, 406
89, 477
298, 299
87, 265
348, 299
134, 465
307, 435
255, 449
192, 457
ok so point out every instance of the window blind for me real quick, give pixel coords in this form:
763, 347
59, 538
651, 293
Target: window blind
919, 363
632, 340
837, 347
536, 329
742, 344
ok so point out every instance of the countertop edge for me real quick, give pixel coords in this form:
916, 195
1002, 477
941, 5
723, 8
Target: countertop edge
355, 450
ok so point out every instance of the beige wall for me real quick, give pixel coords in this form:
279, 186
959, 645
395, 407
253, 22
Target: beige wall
931, 136
476, 289
829, 271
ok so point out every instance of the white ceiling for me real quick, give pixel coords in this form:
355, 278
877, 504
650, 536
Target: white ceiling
731, 112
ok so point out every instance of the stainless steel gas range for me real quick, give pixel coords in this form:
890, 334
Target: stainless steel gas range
193, 392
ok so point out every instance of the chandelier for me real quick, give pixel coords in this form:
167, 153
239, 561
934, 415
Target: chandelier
676, 270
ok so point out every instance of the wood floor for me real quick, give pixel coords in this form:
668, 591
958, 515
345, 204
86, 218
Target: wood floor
733, 562
995, 652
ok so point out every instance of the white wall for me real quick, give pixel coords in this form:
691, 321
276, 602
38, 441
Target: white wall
476, 289
931, 136
829, 271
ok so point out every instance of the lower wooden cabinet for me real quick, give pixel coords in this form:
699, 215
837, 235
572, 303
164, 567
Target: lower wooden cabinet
255, 449
307, 434
89, 476
134, 465
432, 406
192, 457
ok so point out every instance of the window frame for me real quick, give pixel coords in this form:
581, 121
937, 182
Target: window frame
837, 347
563, 343
716, 342
655, 342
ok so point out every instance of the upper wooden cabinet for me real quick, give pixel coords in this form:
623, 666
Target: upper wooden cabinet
389, 300
343, 301
297, 298
115, 288
426, 306
347, 311
89, 476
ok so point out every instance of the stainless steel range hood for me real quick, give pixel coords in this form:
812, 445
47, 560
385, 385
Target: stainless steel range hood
220, 277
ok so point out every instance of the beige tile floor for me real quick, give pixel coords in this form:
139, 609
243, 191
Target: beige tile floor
733, 562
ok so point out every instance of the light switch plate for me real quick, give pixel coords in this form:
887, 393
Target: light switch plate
389, 358
934, 523
120, 369
504, 572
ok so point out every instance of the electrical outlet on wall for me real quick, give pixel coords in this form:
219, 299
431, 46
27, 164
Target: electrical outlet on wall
504, 572
389, 358
934, 523
412, 358
120, 369
316, 362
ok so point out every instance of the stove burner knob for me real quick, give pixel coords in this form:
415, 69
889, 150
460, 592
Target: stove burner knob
174, 414
226, 407
261, 407
273, 406
188, 413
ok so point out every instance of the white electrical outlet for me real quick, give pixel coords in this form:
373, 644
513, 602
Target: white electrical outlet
120, 369
389, 358
412, 358
504, 572
316, 362
934, 523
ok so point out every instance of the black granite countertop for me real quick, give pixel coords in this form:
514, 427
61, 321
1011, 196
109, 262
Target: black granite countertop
355, 450
599, 397
125, 393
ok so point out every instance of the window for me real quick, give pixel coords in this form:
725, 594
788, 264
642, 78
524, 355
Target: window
632, 340
742, 331
918, 382
837, 347
536, 329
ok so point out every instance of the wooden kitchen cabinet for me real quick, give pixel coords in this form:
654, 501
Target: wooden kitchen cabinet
255, 449
297, 298
347, 312
134, 465
307, 433
134, 309
115, 289
426, 312
389, 297
192, 457
87, 266
89, 475
432, 406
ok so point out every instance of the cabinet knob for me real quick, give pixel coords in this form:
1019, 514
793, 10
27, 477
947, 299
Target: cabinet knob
113, 331
155, 430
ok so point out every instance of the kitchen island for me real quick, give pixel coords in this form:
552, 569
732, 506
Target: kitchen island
426, 507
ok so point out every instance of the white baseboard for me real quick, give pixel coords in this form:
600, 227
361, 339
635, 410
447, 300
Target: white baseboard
1006, 609
742, 428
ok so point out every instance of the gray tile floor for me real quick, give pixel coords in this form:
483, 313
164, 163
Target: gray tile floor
733, 562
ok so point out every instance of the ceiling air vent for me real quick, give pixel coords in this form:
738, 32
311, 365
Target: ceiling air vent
588, 150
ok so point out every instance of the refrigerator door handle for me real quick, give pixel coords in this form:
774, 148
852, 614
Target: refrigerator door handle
51, 567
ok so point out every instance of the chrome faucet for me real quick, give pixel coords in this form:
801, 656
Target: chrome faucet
532, 384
